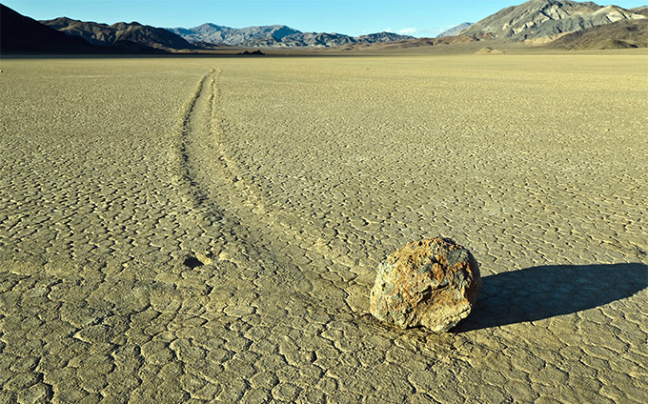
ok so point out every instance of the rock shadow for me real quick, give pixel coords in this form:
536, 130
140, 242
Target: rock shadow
543, 292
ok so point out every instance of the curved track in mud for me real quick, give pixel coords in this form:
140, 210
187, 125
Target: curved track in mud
223, 188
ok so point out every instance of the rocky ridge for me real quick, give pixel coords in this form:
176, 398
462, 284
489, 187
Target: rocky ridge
107, 35
21, 34
547, 18
618, 35
643, 10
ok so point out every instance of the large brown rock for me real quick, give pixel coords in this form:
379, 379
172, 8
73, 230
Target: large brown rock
433, 283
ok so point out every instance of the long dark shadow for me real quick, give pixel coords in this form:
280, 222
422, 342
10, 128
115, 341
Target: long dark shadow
542, 292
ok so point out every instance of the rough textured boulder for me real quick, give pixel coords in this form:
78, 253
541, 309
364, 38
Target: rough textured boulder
433, 283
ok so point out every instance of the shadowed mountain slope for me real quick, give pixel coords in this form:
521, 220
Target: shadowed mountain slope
618, 35
20, 34
640, 10
546, 18
106, 35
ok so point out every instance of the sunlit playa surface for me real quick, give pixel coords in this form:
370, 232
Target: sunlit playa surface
208, 229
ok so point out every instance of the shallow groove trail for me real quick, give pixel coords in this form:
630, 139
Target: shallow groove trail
220, 185
195, 132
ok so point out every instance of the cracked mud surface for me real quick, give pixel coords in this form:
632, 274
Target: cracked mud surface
207, 230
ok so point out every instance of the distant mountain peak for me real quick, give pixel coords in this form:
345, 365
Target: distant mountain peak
456, 30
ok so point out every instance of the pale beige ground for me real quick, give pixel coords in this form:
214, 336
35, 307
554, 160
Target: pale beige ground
291, 178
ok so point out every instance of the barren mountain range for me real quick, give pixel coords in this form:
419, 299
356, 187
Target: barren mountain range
546, 18
21, 34
275, 36
103, 34
218, 34
536, 21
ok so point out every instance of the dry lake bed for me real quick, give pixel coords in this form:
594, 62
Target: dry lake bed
188, 230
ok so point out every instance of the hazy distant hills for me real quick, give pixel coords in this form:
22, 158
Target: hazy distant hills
546, 18
107, 35
455, 30
312, 39
222, 35
412, 43
275, 36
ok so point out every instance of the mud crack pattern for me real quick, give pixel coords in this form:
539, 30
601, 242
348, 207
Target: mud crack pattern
191, 230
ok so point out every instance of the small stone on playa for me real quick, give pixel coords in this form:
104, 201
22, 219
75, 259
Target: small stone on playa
433, 283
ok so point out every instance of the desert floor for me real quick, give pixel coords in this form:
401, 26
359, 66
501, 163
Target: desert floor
208, 229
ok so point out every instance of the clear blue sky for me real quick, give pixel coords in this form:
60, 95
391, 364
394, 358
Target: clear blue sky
414, 17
